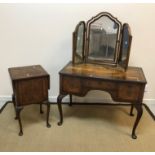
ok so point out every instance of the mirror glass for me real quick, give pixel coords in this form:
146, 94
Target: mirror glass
125, 48
79, 51
125, 44
103, 34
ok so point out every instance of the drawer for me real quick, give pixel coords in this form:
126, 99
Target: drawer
100, 85
128, 92
71, 85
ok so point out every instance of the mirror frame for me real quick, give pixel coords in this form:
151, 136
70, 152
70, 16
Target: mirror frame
118, 63
118, 41
75, 35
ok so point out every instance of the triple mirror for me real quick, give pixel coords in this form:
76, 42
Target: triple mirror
103, 40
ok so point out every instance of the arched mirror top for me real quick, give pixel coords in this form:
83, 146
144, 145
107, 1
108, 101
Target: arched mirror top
103, 38
102, 20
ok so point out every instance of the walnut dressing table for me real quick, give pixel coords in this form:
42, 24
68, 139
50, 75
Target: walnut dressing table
123, 86
101, 50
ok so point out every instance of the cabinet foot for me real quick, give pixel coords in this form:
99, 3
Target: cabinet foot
48, 125
16, 118
20, 133
59, 123
134, 136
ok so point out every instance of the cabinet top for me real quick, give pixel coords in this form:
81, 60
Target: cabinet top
132, 74
27, 72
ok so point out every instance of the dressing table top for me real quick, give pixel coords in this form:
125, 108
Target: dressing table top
133, 74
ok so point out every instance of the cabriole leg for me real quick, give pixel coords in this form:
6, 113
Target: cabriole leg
14, 104
59, 100
18, 110
48, 112
139, 115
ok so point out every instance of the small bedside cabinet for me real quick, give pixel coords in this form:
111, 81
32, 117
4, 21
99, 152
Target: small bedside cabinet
30, 86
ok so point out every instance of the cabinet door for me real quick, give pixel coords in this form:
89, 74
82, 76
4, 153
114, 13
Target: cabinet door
31, 91
125, 46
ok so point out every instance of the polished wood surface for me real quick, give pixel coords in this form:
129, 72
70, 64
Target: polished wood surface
133, 74
122, 86
30, 86
18, 73
32, 91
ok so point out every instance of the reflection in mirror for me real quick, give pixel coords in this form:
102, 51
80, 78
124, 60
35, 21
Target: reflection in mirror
125, 42
102, 39
79, 43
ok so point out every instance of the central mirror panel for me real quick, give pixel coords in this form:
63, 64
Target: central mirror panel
103, 36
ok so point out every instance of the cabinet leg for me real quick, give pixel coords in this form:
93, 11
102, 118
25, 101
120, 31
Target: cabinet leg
41, 109
139, 115
70, 97
48, 112
131, 110
59, 100
18, 110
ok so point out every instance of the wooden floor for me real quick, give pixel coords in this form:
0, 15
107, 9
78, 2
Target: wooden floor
85, 128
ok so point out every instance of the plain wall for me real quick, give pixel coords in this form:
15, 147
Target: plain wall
42, 34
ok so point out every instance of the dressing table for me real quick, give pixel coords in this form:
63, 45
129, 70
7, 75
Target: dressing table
101, 50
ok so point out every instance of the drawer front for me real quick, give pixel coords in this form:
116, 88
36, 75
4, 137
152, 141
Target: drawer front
100, 85
31, 91
70, 85
129, 92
